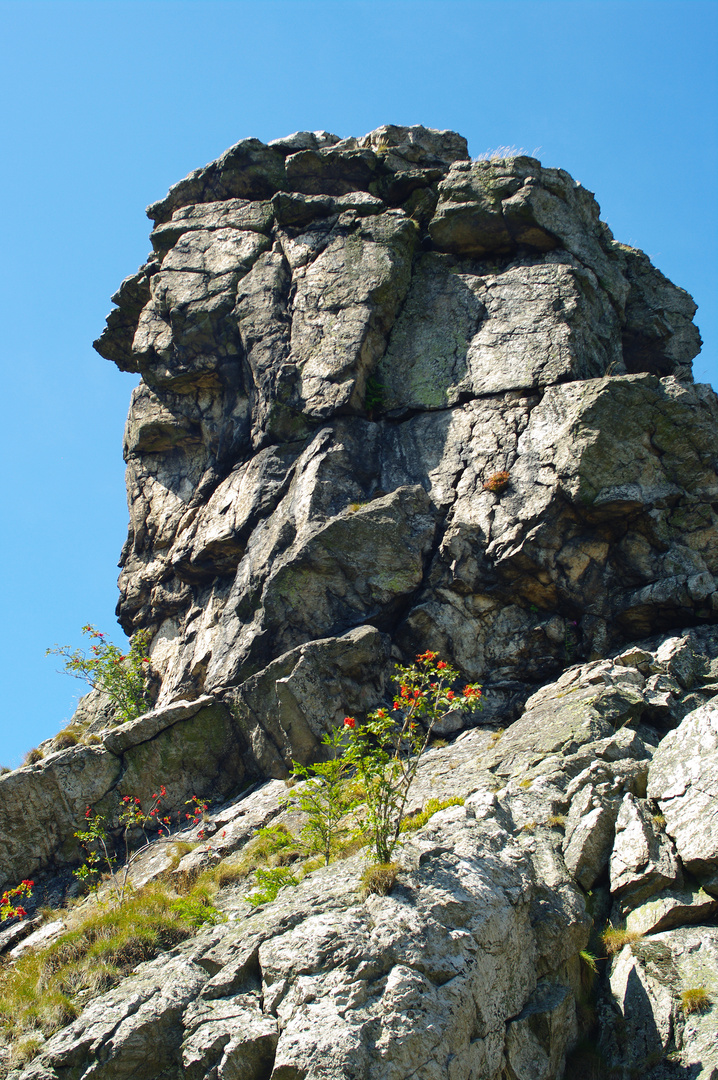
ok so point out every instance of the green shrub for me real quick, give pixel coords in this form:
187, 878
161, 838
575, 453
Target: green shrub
269, 883
124, 677
417, 821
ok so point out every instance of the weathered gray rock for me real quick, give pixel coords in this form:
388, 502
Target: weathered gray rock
42, 805
393, 399
442, 973
643, 860
683, 778
673, 907
589, 835
134, 1031
472, 961
647, 981
328, 326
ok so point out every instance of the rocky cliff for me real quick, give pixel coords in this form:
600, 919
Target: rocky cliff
394, 399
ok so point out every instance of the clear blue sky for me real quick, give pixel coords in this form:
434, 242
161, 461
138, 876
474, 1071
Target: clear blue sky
106, 103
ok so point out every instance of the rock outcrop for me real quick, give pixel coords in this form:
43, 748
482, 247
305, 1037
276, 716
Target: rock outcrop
341, 343
394, 399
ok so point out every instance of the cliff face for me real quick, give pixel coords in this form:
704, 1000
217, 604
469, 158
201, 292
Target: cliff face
394, 399
341, 343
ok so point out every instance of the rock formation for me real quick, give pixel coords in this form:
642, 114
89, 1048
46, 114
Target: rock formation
394, 399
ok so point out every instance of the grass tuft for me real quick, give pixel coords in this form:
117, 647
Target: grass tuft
379, 879
416, 821
614, 938
695, 1000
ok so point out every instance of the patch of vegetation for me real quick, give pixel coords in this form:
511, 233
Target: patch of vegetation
373, 395
269, 883
556, 821
379, 879
44, 989
614, 938
416, 821
33, 756
497, 482
65, 739
695, 1000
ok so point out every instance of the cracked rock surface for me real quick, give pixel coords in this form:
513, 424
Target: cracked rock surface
392, 399
471, 966
340, 343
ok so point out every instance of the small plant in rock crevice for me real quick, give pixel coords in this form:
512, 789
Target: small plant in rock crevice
373, 396
497, 482
269, 882
124, 677
383, 754
615, 937
417, 821
379, 879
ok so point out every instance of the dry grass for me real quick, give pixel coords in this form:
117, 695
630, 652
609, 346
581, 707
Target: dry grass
614, 938
497, 482
695, 1000
65, 739
502, 153
379, 879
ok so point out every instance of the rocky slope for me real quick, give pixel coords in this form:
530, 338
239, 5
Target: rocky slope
394, 399
475, 965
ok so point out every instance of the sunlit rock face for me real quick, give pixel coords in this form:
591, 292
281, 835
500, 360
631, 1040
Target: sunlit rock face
341, 344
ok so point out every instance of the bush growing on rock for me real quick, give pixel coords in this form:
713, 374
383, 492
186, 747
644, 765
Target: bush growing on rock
383, 754
124, 677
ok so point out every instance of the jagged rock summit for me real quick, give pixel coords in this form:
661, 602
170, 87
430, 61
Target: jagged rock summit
394, 399
343, 344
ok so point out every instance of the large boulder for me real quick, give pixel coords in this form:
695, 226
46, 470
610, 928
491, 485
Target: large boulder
383, 384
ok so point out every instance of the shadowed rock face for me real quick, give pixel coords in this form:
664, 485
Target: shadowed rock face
340, 344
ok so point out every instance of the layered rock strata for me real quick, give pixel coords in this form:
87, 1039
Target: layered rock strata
342, 344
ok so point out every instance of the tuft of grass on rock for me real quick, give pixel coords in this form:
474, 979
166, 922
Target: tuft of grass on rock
695, 1000
416, 821
65, 739
379, 879
614, 938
